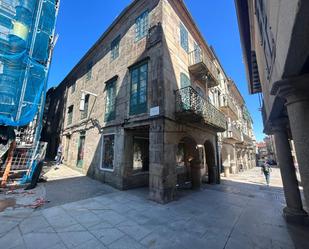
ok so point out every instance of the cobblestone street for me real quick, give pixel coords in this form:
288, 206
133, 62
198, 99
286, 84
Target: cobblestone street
240, 213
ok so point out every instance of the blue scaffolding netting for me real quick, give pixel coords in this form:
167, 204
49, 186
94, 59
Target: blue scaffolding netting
26, 30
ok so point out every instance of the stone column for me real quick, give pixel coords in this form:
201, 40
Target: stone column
296, 93
162, 164
227, 165
294, 209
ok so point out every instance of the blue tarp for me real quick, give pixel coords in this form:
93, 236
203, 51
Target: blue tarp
25, 39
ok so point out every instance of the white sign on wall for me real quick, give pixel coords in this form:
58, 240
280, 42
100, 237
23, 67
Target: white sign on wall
154, 111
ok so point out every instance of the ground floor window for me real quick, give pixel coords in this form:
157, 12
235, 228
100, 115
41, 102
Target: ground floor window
141, 154
108, 152
180, 156
81, 149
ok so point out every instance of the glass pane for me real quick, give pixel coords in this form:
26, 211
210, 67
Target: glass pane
108, 152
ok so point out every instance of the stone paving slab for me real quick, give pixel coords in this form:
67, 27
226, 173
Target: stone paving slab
231, 215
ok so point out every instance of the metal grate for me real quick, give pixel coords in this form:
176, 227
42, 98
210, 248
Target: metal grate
189, 101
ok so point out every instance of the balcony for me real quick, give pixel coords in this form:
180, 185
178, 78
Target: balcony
233, 133
202, 68
191, 107
247, 139
228, 107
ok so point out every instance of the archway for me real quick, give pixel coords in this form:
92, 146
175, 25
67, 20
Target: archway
188, 164
211, 162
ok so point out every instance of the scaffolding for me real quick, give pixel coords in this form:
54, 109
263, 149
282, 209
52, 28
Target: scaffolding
26, 40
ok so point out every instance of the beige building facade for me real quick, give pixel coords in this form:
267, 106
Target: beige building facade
136, 110
275, 41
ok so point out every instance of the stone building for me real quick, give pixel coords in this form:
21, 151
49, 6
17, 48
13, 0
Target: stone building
238, 148
138, 110
275, 41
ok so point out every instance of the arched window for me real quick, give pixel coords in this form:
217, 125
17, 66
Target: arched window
184, 80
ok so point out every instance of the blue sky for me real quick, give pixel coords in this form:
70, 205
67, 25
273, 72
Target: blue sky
79, 26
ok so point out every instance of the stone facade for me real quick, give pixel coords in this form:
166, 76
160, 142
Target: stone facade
169, 143
275, 44
238, 147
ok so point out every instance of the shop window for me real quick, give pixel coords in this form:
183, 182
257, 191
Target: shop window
81, 150
140, 154
108, 142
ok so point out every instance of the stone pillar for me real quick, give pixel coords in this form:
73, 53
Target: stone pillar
234, 163
294, 209
226, 165
162, 165
296, 93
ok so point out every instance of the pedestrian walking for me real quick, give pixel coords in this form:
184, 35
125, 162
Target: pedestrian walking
59, 155
266, 169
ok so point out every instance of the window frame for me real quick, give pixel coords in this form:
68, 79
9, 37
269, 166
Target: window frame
73, 87
84, 113
70, 115
141, 25
89, 71
79, 161
102, 152
115, 48
184, 37
111, 115
139, 108
182, 77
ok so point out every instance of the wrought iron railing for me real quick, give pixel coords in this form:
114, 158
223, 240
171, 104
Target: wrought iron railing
198, 56
226, 101
189, 101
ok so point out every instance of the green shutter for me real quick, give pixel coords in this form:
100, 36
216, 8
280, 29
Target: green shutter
184, 80
138, 98
184, 38
115, 48
110, 101
141, 26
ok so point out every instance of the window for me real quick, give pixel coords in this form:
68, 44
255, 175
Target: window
197, 53
138, 99
84, 113
180, 155
115, 48
184, 38
81, 149
141, 26
73, 87
141, 153
89, 71
110, 100
70, 114
184, 80
108, 152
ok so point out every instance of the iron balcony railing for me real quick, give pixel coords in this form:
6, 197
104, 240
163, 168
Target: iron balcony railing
198, 56
190, 102
226, 101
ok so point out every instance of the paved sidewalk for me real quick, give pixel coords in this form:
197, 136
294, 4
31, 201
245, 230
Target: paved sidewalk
238, 214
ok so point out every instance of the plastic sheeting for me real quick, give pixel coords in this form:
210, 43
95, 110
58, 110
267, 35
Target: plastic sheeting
26, 29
